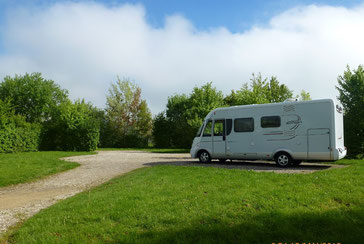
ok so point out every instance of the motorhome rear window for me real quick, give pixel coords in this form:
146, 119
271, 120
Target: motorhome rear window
244, 125
270, 121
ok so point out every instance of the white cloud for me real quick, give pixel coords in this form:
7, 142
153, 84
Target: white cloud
85, 46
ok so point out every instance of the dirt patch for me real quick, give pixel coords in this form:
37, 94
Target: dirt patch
24, 200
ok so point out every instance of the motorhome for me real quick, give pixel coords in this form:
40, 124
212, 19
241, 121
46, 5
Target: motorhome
288, 132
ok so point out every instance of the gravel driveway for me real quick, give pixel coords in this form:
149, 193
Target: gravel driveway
24, 200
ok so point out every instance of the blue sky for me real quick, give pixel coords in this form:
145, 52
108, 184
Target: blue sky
169, 46
235, 15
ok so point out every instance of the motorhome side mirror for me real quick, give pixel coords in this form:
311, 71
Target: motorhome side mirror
223, 137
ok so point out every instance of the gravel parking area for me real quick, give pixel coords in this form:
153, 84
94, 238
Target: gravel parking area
24, 200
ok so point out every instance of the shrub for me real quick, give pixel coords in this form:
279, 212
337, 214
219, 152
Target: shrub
16, 135
73, 127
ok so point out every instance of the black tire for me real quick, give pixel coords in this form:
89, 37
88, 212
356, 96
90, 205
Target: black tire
297, 162
222, 160
204, 157
283, 159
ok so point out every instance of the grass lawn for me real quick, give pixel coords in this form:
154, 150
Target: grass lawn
153, 150
176, 204
22, 167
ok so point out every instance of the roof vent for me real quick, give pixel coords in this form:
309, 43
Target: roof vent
288, 108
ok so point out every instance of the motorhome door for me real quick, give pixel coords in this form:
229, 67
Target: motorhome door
319, 144
219, 139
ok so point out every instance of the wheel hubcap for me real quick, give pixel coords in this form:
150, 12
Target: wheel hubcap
204, 157
283, 160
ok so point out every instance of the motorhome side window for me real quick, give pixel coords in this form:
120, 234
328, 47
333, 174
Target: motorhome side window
229, 125
218, 127
244, 125
208, 129
270, 121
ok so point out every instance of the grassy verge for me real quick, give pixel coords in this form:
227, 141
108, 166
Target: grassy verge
22, 167
208, 205
153, 150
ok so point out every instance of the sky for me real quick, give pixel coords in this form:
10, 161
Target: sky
169, 47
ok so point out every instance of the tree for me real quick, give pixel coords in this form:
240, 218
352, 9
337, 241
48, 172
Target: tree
304, 96
351, 95
32, 96
73, 127
259, 91
201, 102
184, 115
127, 115
162, 131
16, 135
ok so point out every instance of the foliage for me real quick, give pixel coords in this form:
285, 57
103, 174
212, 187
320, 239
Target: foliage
16, 135
32, 96
161, 131
23, 167
304, 96
73, 127
259, 91
180, 133
351, 95
201, 102
174, 204
184, 115
128, 121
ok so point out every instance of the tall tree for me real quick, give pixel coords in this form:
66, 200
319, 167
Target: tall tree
32, 96
128, 115
73, 127
178, 131
259, 91
351, 95
304, 96
201, 101
185, 114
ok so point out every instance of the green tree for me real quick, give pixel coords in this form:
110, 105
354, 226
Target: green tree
259, 91
32, 96
184, 115
351, 95
16, 135
128, 115
201, 102
73, 127
304, 96
162, 131
179, 131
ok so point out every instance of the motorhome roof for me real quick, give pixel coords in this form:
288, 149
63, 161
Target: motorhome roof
269, 104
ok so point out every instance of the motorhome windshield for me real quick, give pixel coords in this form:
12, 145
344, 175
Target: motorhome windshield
199, 130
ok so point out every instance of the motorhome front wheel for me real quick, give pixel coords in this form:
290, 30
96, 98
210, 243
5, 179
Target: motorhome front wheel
204, 157
283, 159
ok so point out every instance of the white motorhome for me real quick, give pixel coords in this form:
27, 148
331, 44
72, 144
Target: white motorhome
287, 132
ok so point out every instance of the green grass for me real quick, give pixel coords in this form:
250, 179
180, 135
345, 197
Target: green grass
153, 150
175, 204
23, 167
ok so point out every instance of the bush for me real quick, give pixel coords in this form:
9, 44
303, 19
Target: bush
161, 132
16, 135
73, 127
